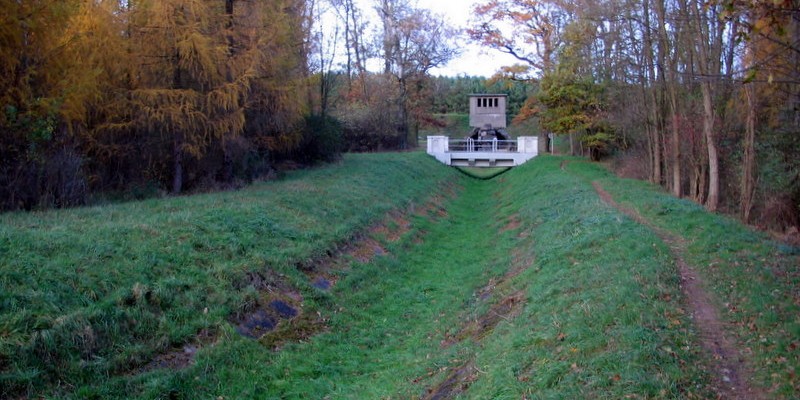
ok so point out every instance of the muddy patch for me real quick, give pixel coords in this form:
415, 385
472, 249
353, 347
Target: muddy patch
175, 359
459, 378
265, 280
365, 250
457, 381
181, 357
266, 318
512, 225
506, 309
257, 324
324, 283
392, 229
434, 208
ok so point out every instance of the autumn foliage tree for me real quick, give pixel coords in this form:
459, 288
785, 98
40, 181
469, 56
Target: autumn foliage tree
381, 109
703, 94
573, 106
109, 95
59, 61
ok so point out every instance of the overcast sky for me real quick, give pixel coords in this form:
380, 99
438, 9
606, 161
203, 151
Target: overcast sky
474, 60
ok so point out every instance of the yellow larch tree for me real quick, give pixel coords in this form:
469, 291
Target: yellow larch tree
180, 90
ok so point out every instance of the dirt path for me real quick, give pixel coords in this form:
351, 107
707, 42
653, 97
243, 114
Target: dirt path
730, 372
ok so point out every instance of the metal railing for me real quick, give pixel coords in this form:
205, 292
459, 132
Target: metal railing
478, 145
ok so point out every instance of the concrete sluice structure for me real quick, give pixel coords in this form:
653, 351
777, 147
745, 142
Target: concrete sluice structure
488, 144
483, 153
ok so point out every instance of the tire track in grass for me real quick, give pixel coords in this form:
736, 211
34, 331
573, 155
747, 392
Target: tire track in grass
730, 373
506, 308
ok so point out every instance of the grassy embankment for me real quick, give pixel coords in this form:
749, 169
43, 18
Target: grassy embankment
754, 280
91, 296
527, 284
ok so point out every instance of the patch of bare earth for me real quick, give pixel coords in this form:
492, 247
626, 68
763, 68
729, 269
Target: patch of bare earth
393, 229
504, 310
365, 247
457, 381
180, 358
730, 373
278, 317
512, 225
435, 207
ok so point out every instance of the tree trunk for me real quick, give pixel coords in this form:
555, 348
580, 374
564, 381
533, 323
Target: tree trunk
177, 143
387, 13
177, 166
650, 155
675, 142
658, 167
712, 202
749, 156
697, 186
795, 29
572, 144
670, 67
652, 102
227, 160
402, 105
707, 52
347, 44
702, 193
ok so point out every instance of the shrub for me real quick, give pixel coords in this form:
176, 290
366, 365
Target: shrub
322, 140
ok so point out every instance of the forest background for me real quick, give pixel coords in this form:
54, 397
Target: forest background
115, 99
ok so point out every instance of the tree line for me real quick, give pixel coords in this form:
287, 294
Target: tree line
108, 95
142, 96
701, 96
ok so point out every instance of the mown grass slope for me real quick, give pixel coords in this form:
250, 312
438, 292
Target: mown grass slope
602, 315
95, 293
754, 280
524, 286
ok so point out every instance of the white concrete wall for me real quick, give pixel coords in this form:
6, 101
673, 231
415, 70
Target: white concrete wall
437, 144
528, 145
439, 147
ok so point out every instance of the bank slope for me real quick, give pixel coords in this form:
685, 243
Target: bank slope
99, 294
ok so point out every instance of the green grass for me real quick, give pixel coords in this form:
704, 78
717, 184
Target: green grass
602, 318
594, 323
96, 292
754, 279
389, 318
600, 313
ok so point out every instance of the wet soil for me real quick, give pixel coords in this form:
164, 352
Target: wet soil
265, 319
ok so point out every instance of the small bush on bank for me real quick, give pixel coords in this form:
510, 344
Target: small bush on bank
322, 140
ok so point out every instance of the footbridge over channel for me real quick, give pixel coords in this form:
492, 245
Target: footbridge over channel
483, 153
